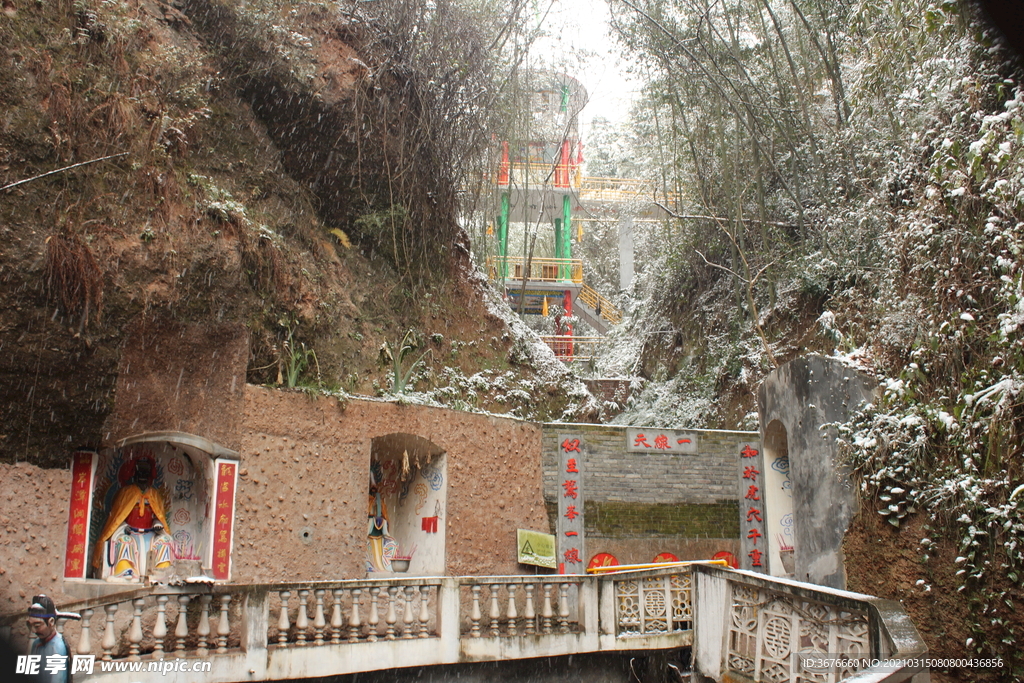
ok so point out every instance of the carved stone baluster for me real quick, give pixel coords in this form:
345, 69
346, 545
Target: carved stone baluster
424, 612
495, 612
355, 625
160, 627
84, 637
563, 608
318, 618
302, 620
529, 615
474, 614
407, 617
511, 615
336, 622
547, 612
374, 619
181, 628
135, 632
392, 616
283, 624
203, 630
109, 642
223, 627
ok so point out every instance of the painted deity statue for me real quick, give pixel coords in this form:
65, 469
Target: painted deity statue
380, 546
136, 537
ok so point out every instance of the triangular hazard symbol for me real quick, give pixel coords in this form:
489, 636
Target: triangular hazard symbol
527, 549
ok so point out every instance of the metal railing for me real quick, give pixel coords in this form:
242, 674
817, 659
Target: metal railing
547, 176
542, 176
570, 348
596, 188
538, 270
602, 306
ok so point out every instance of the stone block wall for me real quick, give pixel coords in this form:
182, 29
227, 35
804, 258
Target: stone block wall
639, 504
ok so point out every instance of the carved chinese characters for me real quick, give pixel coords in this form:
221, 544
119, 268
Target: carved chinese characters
752, 508
660, 441
224, 513
83, 471
571, 552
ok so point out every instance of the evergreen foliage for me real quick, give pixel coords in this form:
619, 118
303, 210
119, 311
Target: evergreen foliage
866, 156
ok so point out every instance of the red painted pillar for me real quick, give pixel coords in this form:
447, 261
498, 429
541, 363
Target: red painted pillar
568, 325
562, 172
503, 168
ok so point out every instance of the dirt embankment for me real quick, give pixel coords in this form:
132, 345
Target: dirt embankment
893, 563
233, 194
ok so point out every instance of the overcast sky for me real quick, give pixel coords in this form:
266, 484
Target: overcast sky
579, 34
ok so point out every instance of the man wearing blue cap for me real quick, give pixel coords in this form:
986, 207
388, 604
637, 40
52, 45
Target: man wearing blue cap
55, 664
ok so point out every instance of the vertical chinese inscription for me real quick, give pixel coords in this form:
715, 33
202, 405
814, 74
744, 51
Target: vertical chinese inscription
753, 544
569, 529
83, 465
223, 518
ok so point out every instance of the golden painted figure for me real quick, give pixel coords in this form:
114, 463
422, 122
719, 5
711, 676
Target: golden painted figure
135, 529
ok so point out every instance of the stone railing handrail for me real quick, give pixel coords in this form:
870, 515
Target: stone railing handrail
284, 631
78, 606
748, 637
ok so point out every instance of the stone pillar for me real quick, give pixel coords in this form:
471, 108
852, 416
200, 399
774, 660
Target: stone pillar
803, 395
625, 252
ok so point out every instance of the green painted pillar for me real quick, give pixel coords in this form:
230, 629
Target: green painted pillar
558, 238
503, 237
567, 237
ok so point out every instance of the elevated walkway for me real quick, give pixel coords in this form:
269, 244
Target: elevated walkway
556, 177
740, 625
550, 278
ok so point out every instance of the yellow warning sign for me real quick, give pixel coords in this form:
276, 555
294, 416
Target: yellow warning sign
536, 548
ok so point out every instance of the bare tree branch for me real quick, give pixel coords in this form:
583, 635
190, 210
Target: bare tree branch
683, 216
61, 170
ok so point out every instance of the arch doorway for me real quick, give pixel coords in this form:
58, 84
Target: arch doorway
157, 507
779, 501
408, 492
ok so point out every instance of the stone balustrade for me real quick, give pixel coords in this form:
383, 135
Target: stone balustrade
748, 624
753, 627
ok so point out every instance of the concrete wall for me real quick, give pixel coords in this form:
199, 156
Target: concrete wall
305, 466
302, 494
33, 527
803, 395
640, 504
588, 668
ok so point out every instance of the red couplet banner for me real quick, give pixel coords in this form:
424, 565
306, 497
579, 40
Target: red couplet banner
75, 564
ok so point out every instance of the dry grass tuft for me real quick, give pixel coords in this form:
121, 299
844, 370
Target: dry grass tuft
119, 114
161, 186
59, 105
261, 258
73, 278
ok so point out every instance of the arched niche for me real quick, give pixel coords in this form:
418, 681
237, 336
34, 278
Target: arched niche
195, 480
410, 473
778, 500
